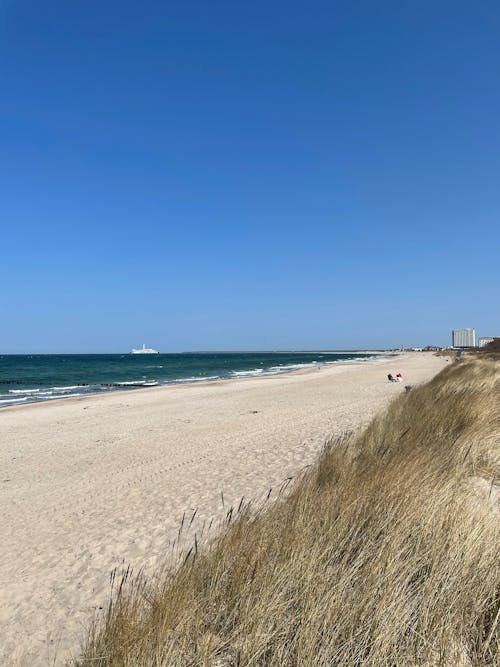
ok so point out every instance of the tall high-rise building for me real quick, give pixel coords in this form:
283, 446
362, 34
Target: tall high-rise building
464, 337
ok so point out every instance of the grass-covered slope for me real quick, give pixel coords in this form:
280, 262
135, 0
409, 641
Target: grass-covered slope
386, 553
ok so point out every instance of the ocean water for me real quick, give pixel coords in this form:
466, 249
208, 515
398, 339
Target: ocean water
31, 378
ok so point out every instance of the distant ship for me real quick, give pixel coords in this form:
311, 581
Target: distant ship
144, 350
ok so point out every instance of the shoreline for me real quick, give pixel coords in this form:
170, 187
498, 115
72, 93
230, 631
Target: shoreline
94, 483
188, 382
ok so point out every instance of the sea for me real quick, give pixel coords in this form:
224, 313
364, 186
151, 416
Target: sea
44, 377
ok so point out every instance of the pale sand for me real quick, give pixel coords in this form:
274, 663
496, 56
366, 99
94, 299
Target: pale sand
87, 484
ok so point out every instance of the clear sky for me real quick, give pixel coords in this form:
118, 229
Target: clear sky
248, 175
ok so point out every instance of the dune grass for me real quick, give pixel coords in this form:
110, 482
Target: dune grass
385, 553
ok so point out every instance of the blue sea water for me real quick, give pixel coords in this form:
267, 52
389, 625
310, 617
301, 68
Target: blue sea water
31, 378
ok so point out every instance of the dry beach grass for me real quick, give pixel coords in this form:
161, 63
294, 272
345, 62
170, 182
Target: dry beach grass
384, 553
92, 483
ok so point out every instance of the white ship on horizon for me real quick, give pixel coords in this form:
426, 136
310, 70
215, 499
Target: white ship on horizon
144, 350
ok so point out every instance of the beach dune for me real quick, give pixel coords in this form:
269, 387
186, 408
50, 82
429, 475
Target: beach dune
91, 484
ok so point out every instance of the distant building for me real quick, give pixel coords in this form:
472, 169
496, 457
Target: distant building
482, 341
464, 337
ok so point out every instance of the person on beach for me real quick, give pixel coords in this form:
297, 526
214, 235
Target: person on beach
399, 377
391, 378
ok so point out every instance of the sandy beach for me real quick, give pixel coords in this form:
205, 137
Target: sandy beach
89, 484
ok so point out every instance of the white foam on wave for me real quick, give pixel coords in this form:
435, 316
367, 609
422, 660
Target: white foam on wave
135, 383
194, 379
75, 386
290, 367
287, 368
250, 373
37, 398
354, 360
23, 391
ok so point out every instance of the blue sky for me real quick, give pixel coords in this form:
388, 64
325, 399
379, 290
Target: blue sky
248, 175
